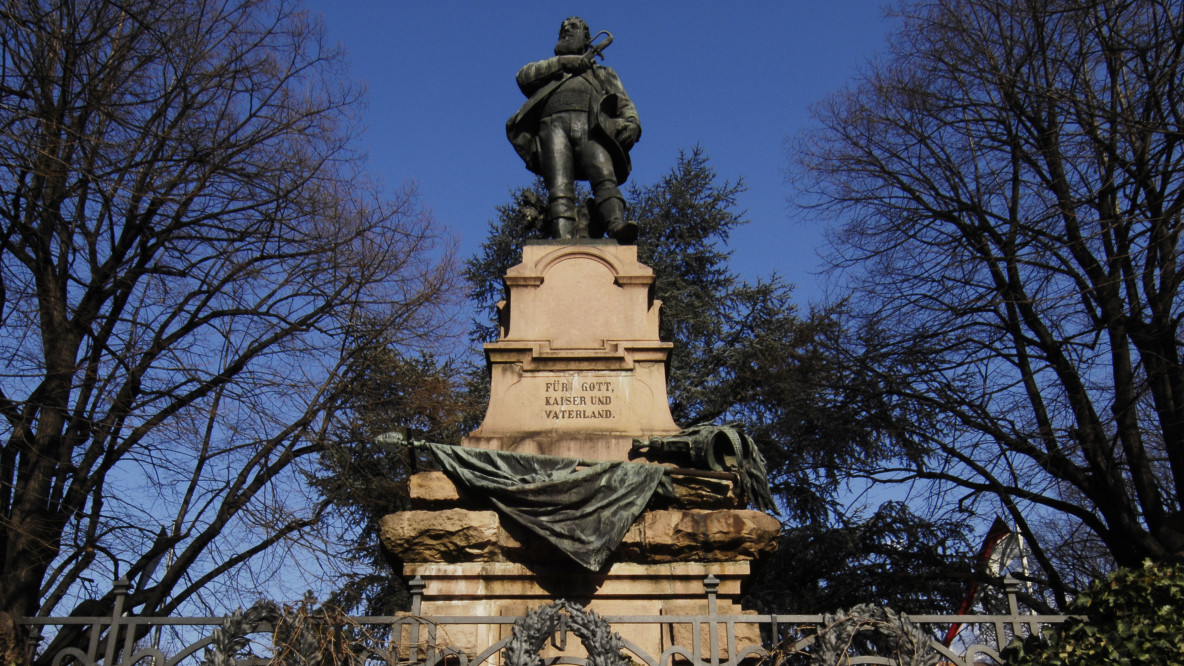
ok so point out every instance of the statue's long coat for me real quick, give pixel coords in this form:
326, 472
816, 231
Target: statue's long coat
608, 101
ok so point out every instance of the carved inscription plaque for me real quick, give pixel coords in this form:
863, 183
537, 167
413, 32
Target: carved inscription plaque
596, 401
577, 402
567, 398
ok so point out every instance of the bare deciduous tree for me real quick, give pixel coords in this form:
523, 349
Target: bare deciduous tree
1013, 180
187, 242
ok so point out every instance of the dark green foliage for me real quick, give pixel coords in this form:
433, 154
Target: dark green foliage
419, 396
522, 218
894, 558
816, 418
740, 349
685, 220
1132, 616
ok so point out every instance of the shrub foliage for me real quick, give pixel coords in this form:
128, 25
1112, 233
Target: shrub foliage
1132, 616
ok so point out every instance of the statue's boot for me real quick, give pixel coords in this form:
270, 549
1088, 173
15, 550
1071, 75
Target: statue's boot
563, 227
624, 231
561, 216
612, 211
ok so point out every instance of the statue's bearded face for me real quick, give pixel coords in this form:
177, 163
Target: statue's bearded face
573, 39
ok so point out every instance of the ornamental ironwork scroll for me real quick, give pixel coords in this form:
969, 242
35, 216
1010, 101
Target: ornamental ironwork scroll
532, 631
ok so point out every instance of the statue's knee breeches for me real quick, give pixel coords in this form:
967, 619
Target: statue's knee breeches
606, 189
557, 158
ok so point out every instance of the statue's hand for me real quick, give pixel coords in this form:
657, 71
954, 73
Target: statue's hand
574, 64
624, 132
630, 135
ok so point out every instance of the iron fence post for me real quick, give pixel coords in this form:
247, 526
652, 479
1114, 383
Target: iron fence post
120, 588
711, 585
32, 640
1011, 587
415, 585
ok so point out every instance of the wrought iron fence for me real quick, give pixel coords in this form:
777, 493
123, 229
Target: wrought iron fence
410, 639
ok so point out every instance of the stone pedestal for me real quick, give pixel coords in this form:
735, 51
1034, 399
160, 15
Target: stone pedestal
455, 531
500, 589
473, 563
578, 370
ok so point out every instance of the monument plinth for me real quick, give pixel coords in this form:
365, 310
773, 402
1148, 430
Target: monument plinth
578, 370
539, 503
472, 561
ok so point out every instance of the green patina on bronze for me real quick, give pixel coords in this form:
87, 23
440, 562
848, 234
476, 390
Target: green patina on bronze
577, 124
719, 449
585, 507
583, 511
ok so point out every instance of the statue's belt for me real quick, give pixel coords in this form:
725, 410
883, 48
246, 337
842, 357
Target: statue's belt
567, 100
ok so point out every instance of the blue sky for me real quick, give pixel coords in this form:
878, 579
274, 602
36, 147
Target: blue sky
736, 78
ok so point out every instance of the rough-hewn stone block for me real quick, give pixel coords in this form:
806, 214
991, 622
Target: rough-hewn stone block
448, 535
461, 535
429, 489
705, 536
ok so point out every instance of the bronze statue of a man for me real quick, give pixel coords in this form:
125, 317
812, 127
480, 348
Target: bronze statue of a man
578, 124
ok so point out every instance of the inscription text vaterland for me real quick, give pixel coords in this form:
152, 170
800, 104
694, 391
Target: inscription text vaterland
573, 399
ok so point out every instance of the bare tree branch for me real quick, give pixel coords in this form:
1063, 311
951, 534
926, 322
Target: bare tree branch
187, 243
